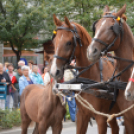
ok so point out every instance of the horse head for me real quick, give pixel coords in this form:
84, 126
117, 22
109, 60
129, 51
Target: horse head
108, 33
66, 40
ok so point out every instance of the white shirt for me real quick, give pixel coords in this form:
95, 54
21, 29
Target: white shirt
46, 78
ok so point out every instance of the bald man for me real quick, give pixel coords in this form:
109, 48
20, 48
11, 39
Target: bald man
21, 63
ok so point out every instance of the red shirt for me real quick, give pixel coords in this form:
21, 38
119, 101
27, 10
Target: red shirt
14, 80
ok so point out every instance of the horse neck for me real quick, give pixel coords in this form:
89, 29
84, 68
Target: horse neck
83, 61
125, 50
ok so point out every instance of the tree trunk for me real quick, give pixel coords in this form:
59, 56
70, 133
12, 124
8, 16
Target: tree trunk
18, 56
17, 52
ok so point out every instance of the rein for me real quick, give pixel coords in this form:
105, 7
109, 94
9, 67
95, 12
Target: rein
125, 69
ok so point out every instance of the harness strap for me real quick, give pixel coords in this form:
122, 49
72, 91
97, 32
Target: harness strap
101, 69
100, 41
109, 16
75, 38
61, 58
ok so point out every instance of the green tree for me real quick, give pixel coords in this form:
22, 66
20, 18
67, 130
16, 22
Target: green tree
20, 21
89, 11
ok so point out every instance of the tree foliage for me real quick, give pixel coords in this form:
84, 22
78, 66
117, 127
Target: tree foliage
23, 20
20, 22
92, 10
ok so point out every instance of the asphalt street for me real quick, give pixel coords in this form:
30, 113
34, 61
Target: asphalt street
68, 128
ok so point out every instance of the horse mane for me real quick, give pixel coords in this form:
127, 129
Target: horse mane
130, 31
85, 34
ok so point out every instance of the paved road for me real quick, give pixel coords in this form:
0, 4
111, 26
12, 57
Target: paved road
68, 128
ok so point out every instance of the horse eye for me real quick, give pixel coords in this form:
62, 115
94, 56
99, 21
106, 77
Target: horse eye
68, 43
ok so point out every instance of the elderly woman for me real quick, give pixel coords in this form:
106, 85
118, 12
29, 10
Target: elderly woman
25, 79
36, 76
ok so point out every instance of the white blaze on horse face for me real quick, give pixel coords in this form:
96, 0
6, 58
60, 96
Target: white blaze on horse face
54, 65
98, 32
61, 37
129, 84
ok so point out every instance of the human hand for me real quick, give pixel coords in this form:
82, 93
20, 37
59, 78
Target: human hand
3, 80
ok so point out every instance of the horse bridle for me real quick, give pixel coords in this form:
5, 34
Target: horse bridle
118, 30
76, 38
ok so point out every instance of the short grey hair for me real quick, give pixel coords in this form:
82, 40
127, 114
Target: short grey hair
25, 67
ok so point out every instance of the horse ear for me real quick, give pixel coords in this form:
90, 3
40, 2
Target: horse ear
57, 21
106, 9
124, 17
121, 11
68, 22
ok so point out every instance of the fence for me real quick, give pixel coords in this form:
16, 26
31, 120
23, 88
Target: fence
3, 91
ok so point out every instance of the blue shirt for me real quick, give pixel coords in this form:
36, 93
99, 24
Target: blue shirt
37, 77
23, 83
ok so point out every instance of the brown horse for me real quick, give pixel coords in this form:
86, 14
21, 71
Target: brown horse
123, 47
40, 105
64, 46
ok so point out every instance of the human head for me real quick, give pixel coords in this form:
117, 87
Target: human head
25, 70
21, 63
19, 70
10, 68
30, 63
35, 69
1, 68
6, 63
45, 69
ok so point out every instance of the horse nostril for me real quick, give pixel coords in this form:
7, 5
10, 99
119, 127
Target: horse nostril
95, 50
57, 72
128, 94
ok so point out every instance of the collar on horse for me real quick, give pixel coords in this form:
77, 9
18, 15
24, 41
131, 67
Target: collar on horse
76, 39
118, 30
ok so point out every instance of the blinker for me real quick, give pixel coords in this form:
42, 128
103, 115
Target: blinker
54, 32
118, 18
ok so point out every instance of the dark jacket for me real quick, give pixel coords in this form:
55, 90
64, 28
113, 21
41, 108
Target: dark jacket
6, 76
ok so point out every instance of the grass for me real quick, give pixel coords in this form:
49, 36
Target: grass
8, 118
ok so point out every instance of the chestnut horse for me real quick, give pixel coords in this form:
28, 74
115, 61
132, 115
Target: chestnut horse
105, 33
40, 105
64, 47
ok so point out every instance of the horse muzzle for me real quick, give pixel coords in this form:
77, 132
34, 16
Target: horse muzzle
93, 54
129, 96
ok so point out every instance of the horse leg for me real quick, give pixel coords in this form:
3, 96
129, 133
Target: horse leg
35, 131
114, 126
129, 127
102, 124
25, 118
82, 122
57, 128
25, 123
42, 127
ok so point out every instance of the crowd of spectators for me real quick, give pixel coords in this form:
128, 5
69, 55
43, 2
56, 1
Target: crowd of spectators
17, 79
